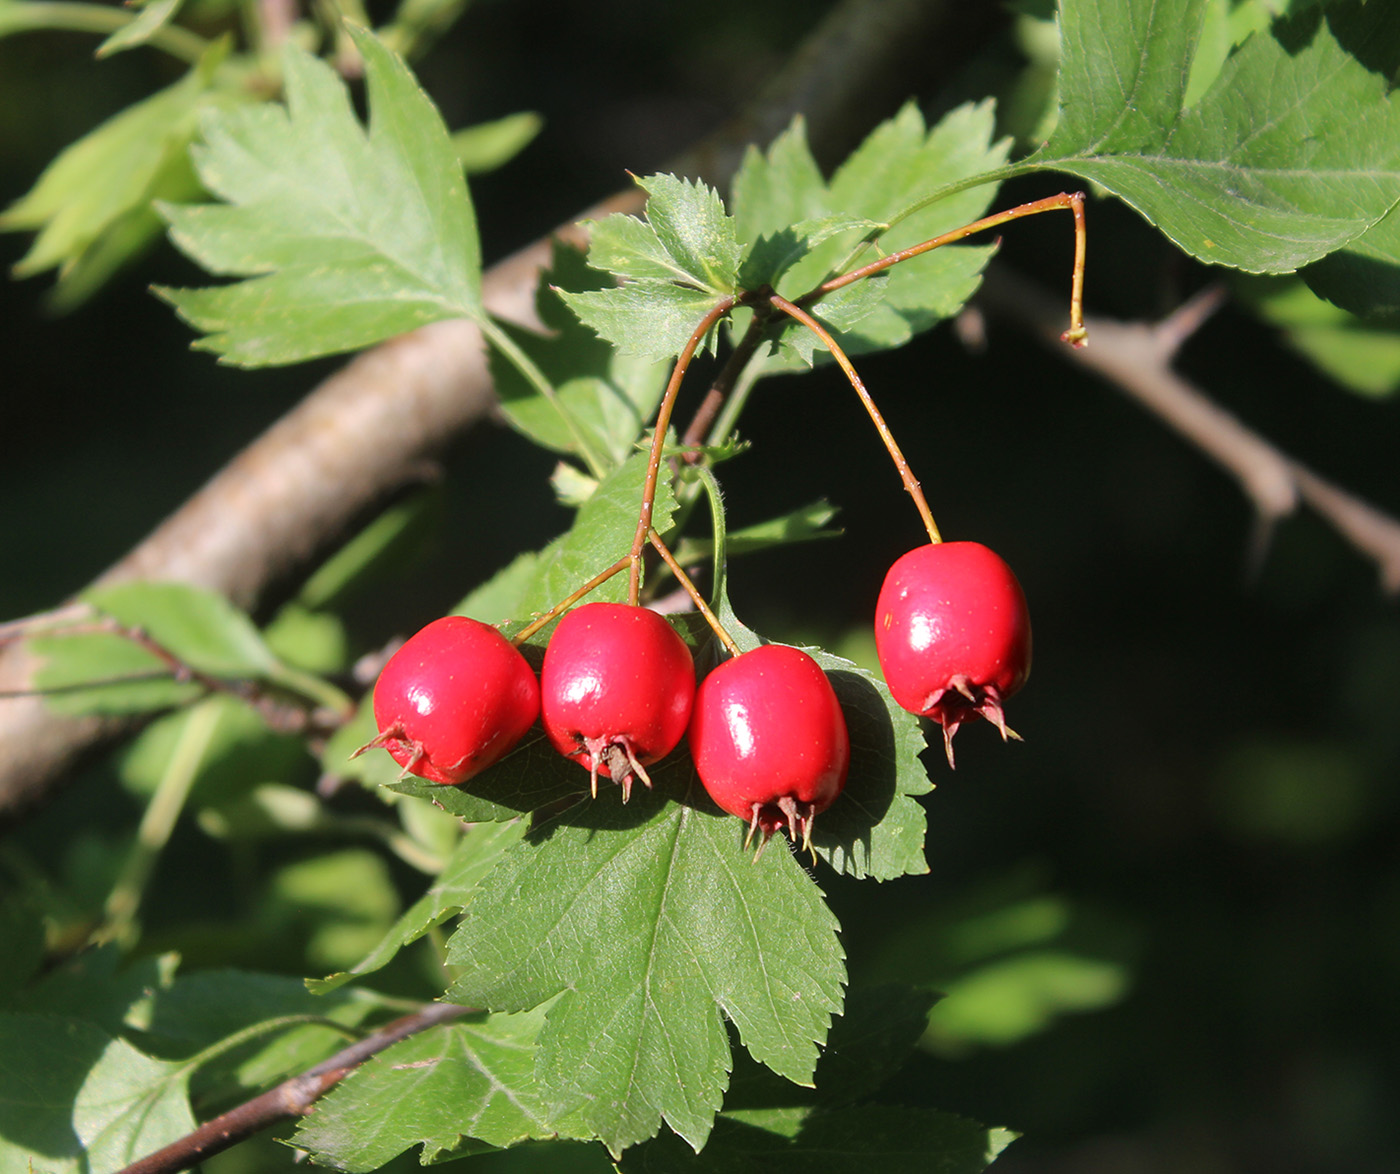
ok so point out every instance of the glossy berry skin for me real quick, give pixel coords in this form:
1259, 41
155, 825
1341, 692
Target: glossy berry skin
953, 635
455, 699
770, 741
616, 690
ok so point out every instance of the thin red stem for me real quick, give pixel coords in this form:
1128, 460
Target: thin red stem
568, 601
291, 1098
905, 473
1076, 335
658, 443
690, 589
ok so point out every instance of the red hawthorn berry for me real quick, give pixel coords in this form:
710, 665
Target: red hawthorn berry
455, 699
616, 690
953, 635
770, 741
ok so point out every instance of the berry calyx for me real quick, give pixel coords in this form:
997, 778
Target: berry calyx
953, 635
616, 691
770, 741
455, 699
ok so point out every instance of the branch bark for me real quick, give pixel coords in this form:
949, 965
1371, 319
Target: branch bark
1136, 357
369, 428
294, 1097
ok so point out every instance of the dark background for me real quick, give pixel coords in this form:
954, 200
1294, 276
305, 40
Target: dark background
1208, 782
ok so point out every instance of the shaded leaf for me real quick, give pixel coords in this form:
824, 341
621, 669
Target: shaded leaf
1364, 277
876, 827
870, 1041
92, 205
1360, 356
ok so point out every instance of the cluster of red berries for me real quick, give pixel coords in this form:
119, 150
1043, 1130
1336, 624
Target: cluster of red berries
617, 691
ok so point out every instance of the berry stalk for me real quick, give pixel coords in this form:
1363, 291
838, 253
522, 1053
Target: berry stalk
658, 442
694, 592
911, 483
1076, 335
568, 601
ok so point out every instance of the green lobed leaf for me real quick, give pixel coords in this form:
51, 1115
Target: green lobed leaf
674, 267
657, 925
462, 1088
93, 1105
646, 318
783, 208
686, 238
345, 238
1253, 175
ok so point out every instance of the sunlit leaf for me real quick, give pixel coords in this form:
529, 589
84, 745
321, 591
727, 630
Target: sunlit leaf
462, 1088
656, 925
1254, 174
94, 1103
345, 237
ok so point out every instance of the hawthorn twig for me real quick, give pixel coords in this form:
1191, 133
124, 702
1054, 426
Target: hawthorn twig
1136, 358
370, 427
292, 1098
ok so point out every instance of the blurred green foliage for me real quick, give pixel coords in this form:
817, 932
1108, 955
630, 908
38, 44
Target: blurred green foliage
1167, 927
